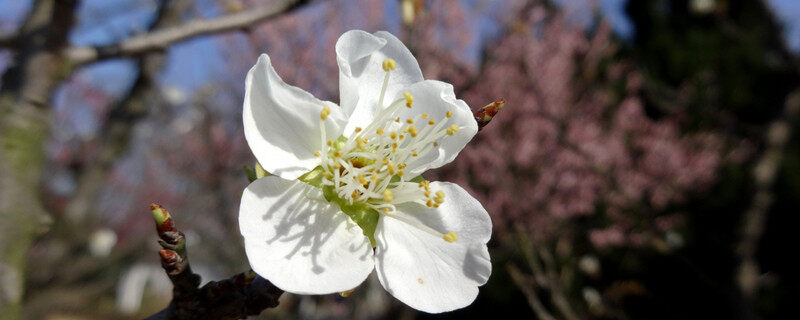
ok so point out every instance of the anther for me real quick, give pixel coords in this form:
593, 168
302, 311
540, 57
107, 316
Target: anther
410, 121
329, 143
424, 116
412, 130
393, 135
450, 237
358, 129
449, 114
388, 65
316, 153
379, 131
431, 122
325, 112
409, 99
387, 195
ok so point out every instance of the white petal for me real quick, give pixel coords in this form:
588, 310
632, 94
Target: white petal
436, 98
299, 241
282, 122
360, 56
426, 272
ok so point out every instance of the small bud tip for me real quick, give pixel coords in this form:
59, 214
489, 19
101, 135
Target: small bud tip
159, 213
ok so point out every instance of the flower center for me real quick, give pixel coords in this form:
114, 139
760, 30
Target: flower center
366, 170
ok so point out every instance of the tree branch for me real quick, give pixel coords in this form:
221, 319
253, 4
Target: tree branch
765, 174
161, 39
240, 296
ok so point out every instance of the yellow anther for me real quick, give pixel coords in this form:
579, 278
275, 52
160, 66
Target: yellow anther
326, 175
412, 130
337, 154
344, 294
440, 194
438, 200
449, 114
393, 135
379, 131
337, 166
409, 121
424, 116
384, 161
316, 153
385, 210
409, 99
450, 237
388, 65
390, 166
397, 119
429, 203
415, 154
358, 129
354, 195
435, 205
373, 178
394, 146
401, 166
361, 143
431, 122
329, 143
435, 144
400, 173
361, 179
427, 193
454, 128
402, 137
387, 195
325, 112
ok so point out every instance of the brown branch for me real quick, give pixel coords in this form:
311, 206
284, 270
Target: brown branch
764, 174
240, 296
526, 285
161, 39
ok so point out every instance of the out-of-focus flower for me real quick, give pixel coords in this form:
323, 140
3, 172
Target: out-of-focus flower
346, 195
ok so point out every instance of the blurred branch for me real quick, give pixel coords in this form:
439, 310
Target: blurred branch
8, 39
764, 174
161, 39
526, 284
24, 123
240, 296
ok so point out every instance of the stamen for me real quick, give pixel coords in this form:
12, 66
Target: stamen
389, 64
450, 237
409, 99
324, 113
449, 114
387, 195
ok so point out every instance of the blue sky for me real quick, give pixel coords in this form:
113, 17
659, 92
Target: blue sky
131, 17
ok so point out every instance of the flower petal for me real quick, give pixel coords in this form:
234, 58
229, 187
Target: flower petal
360, 56
282, 122
436, 98
426, 272
300, 242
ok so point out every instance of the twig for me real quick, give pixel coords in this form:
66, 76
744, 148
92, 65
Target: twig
161, 39
238, 297
526, 285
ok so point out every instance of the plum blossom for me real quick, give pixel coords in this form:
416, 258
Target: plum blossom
346, 196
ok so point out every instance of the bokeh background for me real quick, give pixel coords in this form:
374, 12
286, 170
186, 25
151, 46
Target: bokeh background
646, 164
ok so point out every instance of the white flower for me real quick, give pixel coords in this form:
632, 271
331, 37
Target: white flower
346, 195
